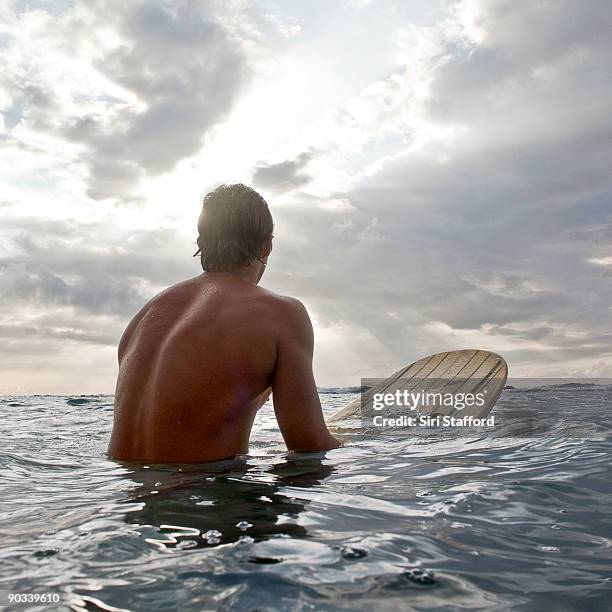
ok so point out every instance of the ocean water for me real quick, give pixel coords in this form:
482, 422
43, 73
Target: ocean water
517, 518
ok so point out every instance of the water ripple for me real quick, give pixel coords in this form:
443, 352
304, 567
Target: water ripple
509, 521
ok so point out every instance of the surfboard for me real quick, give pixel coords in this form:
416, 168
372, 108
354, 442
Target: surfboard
468, 371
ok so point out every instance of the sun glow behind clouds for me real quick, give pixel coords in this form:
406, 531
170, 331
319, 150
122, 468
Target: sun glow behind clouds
417, 160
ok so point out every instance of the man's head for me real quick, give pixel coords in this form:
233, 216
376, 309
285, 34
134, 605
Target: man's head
235, 227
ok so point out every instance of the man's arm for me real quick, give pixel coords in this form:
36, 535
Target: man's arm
294, 393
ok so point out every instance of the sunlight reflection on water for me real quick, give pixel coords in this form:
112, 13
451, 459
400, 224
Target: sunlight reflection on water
388, 521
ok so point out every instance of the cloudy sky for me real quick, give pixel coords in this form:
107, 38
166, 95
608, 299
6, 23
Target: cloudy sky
439, 173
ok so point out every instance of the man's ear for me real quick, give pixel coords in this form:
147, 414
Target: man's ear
266, 249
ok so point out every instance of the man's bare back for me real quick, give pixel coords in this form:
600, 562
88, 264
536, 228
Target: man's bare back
199, 360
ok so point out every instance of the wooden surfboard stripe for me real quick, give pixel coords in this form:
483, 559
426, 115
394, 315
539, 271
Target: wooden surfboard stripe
417, 368
485, 372
486, 369
461, 364
475, 361
494, 382
438, 371
425, 383
429, 366
463, 373
432, 371
494, 391
381, 387
400, 373
411, 382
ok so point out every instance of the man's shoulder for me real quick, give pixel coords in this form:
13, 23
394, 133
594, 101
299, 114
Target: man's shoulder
281, 304
289, 315
253, 299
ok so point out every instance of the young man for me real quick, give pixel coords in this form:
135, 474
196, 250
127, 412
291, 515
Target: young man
199, 360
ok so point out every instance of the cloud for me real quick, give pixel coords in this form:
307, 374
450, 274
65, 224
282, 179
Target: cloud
462, 198
155, 78
539, 63
601, 261
495, 237
68, 285
283, 176
183, 69
92, 268
288, 29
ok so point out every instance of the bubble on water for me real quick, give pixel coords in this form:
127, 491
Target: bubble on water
353, 552
420, 575
550, 548
243, 525
77, 401
264, 560
425, 494
212, 536
555, 526
187, 544
47, 552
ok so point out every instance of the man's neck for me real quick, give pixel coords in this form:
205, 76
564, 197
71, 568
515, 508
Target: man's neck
251, 273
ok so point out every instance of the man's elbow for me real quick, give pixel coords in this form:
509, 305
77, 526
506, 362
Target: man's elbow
322, 443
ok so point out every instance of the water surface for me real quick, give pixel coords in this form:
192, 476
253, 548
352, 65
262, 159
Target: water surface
515, 519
